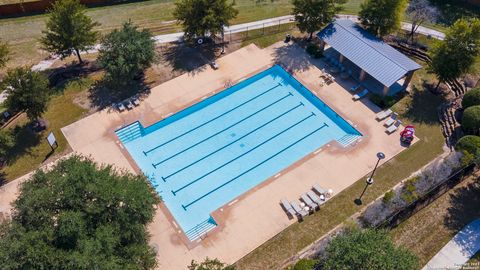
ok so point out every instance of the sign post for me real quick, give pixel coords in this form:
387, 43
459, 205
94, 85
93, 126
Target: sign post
52, 141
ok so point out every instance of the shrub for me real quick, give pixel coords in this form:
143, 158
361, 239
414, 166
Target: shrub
469, 143
471, 98
388, 196
409, 191
305, 264
471, 120
383, 101
467, 158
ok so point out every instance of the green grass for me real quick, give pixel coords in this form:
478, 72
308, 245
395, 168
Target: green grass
30, 151
420, 109
426, 232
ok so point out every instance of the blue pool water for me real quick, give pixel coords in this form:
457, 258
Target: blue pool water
210, 153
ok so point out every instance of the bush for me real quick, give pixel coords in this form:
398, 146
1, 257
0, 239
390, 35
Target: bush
388, 197
409, 192
469, 143
305, 264
471, 98
383, 101
471, 120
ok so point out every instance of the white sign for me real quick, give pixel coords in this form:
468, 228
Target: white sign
51, 139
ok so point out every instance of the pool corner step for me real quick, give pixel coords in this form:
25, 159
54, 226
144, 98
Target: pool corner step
201, 229
348, 139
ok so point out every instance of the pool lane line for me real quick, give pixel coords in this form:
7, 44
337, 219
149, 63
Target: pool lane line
254, 167
209, 121
211, 136
230, 143
174, 192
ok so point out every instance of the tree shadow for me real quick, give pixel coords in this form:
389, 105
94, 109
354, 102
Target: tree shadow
453, 10
423, 107
190, 58
103, 94
25, 139
3, 179
60, 77
292, 57
465, 206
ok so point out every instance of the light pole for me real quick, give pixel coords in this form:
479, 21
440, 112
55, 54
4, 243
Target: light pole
369, 181
223, 39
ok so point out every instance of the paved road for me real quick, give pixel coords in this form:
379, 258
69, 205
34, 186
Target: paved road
459, 250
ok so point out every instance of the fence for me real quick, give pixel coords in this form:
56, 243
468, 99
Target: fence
401, 215
253, 31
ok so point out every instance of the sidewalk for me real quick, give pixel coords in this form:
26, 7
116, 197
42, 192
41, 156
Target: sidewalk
459, 250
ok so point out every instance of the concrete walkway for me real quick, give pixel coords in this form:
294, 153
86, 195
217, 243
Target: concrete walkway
459, 250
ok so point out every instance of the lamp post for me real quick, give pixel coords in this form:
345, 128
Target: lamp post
223, 39
369, 181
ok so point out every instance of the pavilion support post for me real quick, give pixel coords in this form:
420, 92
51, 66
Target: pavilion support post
322, 46
362, 75
341, 58
385, 90
408, 79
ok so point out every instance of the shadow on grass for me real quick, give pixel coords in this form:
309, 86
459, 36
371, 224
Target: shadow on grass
25, 139
423, 107
103, 93
190, 58
453, 10
3, 179
465, 206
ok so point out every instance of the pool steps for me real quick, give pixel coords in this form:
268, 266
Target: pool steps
348, 139
130, 132
201, 229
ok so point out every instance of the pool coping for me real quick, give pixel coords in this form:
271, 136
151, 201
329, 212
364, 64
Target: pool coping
221, 213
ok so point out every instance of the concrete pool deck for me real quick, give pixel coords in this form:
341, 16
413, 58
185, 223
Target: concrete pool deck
255, 216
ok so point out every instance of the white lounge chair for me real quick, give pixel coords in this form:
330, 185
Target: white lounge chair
315, 198
394, 127
135, 101
129, 105
319, 189
300, 211
286, 205
391, 120
355, 88
309, 202
360, 95
383, 114
120, 107
214, 65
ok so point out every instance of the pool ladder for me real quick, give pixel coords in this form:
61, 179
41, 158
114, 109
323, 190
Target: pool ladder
201, 229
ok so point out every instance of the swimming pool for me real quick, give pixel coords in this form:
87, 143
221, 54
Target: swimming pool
210, 153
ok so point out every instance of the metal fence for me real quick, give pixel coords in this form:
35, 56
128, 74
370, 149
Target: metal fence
239, 34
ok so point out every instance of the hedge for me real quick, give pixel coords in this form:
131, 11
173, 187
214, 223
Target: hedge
471, 98
471, 120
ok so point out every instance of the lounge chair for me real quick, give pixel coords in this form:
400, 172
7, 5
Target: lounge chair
309, 202
315, 198
391, 120
355, 88
120, 107
135, 101
214, 65
383, 114
300, 211
129, 105
394, 127
360, 95
319, 189
286, 205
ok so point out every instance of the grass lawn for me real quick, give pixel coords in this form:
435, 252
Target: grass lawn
420, 109
445, 217
32, 150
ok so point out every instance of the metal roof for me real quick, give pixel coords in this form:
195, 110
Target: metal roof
371, 54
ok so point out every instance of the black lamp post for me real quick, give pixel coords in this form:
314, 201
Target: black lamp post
223, 39
369, 181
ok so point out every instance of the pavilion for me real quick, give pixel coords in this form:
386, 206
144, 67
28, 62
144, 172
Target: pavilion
372, 62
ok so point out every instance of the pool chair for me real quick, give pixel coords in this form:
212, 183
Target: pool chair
383, 114
355, 88
288, 208
129, 105
309, 202
315, 198
360, 95
135, 101
120, 107
391, 120
301, 213
214, 65
391, 129
317, 188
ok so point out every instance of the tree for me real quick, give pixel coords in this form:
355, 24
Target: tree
209, 264
27, 91
471, 98
382, 17
312, 15
4, 54
202, 17
305, 264
80, 216
419, 12
471, 120
69, 29
125, 53
367, 249
457, 53
469, 143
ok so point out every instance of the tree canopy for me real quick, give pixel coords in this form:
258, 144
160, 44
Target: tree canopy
312, 15
202, 17
457, 53
80, 216
4, 54
419, 12
6, 142
471, 98
209, 264
69, 29
382, 17
27, 91
126, 53
367, 249
471, 120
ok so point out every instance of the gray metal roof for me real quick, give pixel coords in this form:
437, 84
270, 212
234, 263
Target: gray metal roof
371, 54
